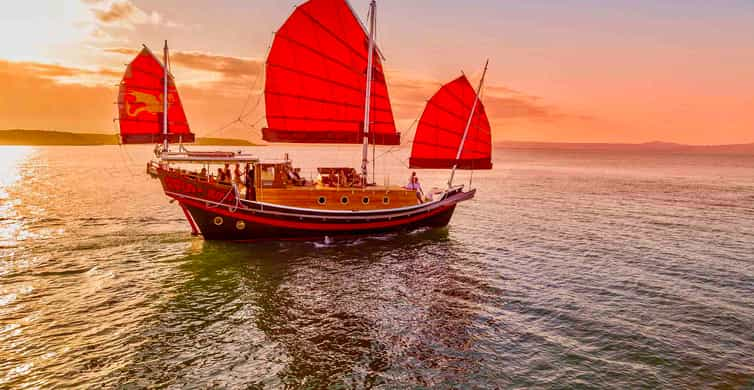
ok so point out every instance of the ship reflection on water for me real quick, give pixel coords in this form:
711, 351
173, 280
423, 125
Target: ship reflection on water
345, 313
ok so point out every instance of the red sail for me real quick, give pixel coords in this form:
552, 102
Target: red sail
316, 80
441, 129
140, 104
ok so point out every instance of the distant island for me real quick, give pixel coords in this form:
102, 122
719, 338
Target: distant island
667, 147
60, 138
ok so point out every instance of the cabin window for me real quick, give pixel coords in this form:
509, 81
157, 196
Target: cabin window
344, 200
240, 225
268, 176
321, 201
386, 200
218, 221
365, 200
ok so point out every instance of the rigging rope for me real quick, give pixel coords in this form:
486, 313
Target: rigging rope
123, 151
245, 111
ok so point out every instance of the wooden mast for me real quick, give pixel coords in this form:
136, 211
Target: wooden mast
165, 97
368, 100
468, 125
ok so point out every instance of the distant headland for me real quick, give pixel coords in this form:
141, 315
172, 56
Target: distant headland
60, 138
660, 147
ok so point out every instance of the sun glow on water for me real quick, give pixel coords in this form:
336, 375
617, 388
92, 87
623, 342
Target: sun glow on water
10, 160
11, 227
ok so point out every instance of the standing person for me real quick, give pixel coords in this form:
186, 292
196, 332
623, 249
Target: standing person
220, 175
237, 177
251, 193
227, 174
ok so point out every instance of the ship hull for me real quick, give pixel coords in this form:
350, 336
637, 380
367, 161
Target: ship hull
265, 229
224, 217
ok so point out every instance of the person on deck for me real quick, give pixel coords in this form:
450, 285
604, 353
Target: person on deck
220, 175
342, 179
237, 178
411, 180
251, 193
226, 173
415, 186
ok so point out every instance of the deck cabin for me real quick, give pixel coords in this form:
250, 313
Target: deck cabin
334, 189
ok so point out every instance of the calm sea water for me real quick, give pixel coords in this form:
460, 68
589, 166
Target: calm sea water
570, 269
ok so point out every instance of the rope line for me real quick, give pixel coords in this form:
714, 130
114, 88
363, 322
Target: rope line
245, 110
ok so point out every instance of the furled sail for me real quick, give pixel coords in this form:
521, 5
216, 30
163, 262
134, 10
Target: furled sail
441, 128
316, 80
141, 105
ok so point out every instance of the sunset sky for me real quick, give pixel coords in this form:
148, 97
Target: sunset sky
565, 70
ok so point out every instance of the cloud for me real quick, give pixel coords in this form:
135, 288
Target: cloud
409, 96
123, 14
500, 108
36, 97
62, 74
117, 11
228, 67
121, 50
81, 99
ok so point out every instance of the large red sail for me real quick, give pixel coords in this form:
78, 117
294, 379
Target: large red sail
316, 80
441, 128
140, 104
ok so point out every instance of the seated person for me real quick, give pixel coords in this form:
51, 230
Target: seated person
414, 185
295, 178
343, 180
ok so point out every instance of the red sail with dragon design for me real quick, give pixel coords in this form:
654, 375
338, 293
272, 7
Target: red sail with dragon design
141, 105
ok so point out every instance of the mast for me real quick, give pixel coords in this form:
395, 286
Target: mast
368, 98
468, 125
165, 97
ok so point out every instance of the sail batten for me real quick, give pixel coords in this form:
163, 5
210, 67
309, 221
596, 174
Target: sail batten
441, 128
335, 36
324, 56
141, 104
316, 80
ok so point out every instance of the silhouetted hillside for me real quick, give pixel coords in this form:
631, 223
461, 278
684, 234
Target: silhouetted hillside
60, 138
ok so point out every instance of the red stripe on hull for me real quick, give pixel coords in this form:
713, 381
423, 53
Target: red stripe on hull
317, 226
258, 228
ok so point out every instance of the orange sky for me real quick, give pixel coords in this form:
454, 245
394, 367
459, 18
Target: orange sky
579, 71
